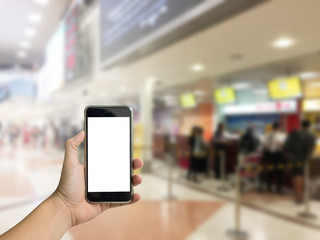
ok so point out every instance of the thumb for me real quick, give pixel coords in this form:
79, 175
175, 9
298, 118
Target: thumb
72, 144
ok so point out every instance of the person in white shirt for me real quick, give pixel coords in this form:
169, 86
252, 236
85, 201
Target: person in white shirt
274, 156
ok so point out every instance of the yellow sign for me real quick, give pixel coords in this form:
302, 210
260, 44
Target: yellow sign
285, 88
188, 100
224, 95
137, 142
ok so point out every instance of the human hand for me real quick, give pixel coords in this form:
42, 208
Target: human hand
70, 194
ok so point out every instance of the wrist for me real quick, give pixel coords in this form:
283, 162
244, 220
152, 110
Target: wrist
60, 206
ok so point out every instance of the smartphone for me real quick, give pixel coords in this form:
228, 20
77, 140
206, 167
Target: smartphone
108, 154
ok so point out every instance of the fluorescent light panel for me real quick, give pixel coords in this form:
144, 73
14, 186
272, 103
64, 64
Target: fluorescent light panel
30, 32
24, 44
309, 75
21, 54
240, 86
197, 67
35, 17
41, 2
283, 42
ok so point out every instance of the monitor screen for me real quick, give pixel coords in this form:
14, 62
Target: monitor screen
225, 95
283, 88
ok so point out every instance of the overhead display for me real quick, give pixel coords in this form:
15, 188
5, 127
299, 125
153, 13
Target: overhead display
283, 88
124, 22
188, 100
225, 95
131, 29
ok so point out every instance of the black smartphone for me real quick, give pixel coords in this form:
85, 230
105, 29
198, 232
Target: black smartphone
108, 154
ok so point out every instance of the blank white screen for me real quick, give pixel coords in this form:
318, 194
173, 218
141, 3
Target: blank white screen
108, 154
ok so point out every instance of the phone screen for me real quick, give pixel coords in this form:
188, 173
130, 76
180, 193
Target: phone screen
108, 154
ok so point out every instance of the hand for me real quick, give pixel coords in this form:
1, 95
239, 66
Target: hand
70, 193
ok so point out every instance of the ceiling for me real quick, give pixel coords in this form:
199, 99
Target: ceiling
250, 35
14, 20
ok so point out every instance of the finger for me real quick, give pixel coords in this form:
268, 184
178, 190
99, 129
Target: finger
136, 198
72, 145
137, 163
136, 179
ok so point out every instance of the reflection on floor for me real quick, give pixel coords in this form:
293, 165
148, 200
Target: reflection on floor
271, 203
197, 214
149, 220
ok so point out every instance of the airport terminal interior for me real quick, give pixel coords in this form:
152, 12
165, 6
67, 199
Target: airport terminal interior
226, 112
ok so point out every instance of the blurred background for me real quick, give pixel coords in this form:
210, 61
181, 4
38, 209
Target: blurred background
217, 88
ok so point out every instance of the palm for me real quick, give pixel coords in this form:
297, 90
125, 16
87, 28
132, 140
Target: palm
72, 186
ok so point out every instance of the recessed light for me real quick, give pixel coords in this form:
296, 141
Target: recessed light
283, 42
197, 67
24, 44
34, 17
260, 91
240, 86
29, 32
41, 2
122, 88
309, 75
151, 79
21, 54
199, 93
168, 97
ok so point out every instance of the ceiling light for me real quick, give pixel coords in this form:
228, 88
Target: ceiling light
261, 91
199, 93
41, 2
283, 42
309, 75
25, 44
151, 79
35, 17
197, 67
29, 32
122, 88
21, 54
169, 97
240, 86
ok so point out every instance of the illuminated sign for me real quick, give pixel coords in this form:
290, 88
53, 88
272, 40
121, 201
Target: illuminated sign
285, 88
224, 95
188, 100
289, 106
311, 105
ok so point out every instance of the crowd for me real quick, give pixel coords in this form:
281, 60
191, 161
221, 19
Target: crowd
275, 148
36, 136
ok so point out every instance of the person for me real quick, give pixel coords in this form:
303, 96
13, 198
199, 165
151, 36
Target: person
220, 143
249, 142
299, 147
67, 206
196, 146
273, 156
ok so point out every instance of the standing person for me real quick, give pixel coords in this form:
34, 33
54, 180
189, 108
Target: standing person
220, 143
274, 156
195, 147
249, 142
299, 147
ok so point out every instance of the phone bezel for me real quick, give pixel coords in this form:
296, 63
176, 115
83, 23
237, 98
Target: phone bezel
103, 111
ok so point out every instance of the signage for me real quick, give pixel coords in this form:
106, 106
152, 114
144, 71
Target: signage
282, 88
311, 105
188, 100
262, 108
225, 95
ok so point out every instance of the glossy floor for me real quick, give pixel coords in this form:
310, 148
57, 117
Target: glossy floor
194, 214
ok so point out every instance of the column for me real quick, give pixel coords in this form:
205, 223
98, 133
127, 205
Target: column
146, 118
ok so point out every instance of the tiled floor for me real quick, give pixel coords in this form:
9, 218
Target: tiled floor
279, 205
194, 215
